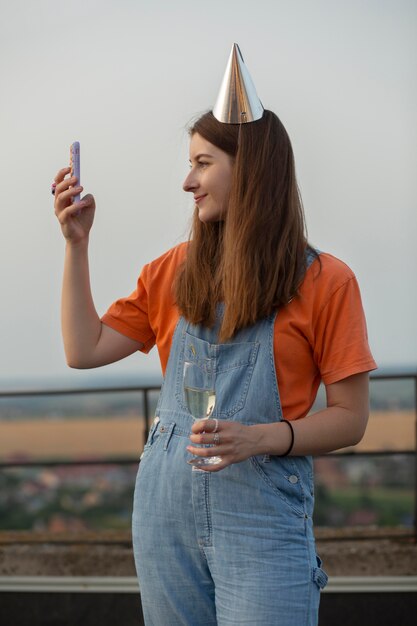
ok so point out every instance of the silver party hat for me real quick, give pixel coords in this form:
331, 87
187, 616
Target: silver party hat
237, 102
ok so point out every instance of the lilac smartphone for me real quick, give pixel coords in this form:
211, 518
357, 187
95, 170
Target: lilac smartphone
75, 165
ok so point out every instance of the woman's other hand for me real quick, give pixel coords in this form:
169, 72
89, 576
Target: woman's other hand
341, 424
76, 218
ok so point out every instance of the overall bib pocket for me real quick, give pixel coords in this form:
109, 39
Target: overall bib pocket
233, 365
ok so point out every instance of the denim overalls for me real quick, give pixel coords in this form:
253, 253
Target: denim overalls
233, 547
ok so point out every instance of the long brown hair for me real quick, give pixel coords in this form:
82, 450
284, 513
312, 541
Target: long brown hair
254, 261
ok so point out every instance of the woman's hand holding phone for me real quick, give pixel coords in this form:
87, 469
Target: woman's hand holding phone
75, 215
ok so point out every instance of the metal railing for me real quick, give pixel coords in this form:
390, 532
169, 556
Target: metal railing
148, 389
144, 390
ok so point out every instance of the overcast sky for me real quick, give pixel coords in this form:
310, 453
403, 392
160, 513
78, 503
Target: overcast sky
125, 77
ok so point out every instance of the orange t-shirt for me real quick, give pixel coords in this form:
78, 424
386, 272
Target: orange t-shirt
320, 335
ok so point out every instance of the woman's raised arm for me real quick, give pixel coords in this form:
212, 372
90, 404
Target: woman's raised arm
88, 343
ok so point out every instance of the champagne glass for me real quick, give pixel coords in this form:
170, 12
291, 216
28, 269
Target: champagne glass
200, 398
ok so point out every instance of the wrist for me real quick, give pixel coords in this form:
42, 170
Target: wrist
81, 244
292, 438
274, 439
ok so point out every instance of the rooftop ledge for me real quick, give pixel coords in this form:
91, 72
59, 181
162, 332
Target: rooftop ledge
351, 552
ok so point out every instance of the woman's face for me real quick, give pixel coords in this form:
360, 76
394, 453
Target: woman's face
209, 179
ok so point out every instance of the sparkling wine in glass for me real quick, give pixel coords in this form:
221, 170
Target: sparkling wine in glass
200, 398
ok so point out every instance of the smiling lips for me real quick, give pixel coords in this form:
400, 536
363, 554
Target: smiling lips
197, 199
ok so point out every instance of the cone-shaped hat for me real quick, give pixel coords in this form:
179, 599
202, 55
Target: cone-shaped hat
237, 102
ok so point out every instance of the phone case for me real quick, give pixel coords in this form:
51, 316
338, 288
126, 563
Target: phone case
75, 165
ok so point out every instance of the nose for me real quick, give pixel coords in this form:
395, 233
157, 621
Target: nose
190, 183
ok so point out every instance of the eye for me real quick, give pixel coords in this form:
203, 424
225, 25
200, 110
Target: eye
199, 165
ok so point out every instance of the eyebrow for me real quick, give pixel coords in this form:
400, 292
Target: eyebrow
202, 154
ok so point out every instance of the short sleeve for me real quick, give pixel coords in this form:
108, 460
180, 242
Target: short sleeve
149, 315
129, 316
341, 346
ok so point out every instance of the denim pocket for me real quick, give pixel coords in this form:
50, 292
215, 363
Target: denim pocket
283, 478
152, 437
319, 575
233, 366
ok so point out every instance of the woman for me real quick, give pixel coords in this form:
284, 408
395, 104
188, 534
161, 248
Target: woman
232, 544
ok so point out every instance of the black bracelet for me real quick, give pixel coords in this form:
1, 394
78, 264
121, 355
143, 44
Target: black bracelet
292, 439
